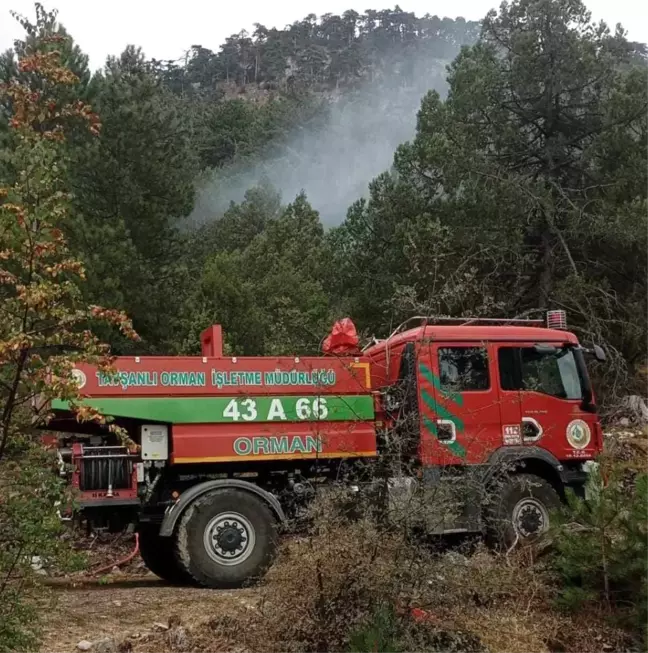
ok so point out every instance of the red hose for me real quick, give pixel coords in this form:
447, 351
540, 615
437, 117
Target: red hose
128, 558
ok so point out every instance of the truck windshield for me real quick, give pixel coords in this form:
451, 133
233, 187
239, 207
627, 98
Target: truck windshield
554, 374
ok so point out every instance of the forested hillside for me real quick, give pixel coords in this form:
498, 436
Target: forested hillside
168, 130
375, 166
330, 51
525, 188
355, 82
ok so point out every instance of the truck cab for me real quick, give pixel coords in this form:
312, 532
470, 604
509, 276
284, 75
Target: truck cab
472, 398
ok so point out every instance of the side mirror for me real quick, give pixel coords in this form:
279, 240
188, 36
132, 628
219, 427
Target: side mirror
599, 354
545, 350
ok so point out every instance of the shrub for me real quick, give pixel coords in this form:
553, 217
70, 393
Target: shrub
601, 547
30, 531
328, 584
357, 584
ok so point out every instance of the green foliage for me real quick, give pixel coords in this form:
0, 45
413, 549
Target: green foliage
263, 283
380, 633
507, 199
232, 131
43, 318
242, 222
333, 51
602, 548
132, 187
30, 531
166, 125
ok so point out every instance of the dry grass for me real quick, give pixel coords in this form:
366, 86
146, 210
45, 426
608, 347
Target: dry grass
128, 610
335, 579
324, 586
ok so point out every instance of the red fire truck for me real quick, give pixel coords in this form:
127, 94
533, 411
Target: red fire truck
229, 448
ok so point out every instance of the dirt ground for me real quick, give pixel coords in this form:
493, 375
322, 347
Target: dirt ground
130, 608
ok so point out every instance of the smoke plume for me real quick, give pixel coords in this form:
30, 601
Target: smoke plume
335, 161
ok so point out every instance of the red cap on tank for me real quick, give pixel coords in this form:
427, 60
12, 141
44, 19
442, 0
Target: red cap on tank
343, 339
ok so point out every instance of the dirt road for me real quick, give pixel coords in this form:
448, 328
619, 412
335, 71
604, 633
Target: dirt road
131, 608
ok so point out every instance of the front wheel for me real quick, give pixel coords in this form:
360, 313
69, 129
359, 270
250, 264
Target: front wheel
520, 511
226, 538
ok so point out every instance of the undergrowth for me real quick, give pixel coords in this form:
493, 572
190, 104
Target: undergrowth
601, 548
357, 585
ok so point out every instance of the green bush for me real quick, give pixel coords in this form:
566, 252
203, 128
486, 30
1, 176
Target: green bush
601, 548
29, 527
382, 632
385, 630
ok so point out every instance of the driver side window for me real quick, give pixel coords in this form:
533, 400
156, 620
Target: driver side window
463, 369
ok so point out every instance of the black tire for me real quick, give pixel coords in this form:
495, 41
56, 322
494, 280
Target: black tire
226, 538
519, 510
158, 554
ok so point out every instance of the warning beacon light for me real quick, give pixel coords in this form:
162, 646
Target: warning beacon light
557, 320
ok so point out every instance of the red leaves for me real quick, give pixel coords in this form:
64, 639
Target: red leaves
38, 115
7, 278
12, 207
42, 307
47, 65
69, 265
117, 318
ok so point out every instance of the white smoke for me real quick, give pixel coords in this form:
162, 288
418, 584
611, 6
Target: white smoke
334, 162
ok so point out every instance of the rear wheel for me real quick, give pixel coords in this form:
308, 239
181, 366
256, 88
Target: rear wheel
226, 538
159, 556
520, 512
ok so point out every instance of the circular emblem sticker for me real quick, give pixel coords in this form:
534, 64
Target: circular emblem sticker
79, 377
578, 434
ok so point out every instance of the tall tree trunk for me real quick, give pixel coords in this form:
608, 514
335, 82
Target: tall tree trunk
545, 285
10, 400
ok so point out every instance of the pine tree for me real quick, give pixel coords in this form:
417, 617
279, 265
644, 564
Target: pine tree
133, 185
526, 170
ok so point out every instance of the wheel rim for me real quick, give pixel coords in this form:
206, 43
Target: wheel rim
530, 518
229, 538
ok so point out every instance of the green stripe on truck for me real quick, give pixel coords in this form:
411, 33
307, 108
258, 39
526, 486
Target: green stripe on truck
205, 410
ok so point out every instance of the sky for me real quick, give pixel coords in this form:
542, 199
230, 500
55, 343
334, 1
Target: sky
166, 30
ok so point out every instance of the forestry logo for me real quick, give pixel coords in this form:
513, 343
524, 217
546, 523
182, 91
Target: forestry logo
79, 377
578, 434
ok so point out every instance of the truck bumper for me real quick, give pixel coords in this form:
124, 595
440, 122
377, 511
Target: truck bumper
588, 467
575, 478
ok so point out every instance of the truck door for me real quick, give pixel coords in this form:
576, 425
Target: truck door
508, 376
550, 391
458, 399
